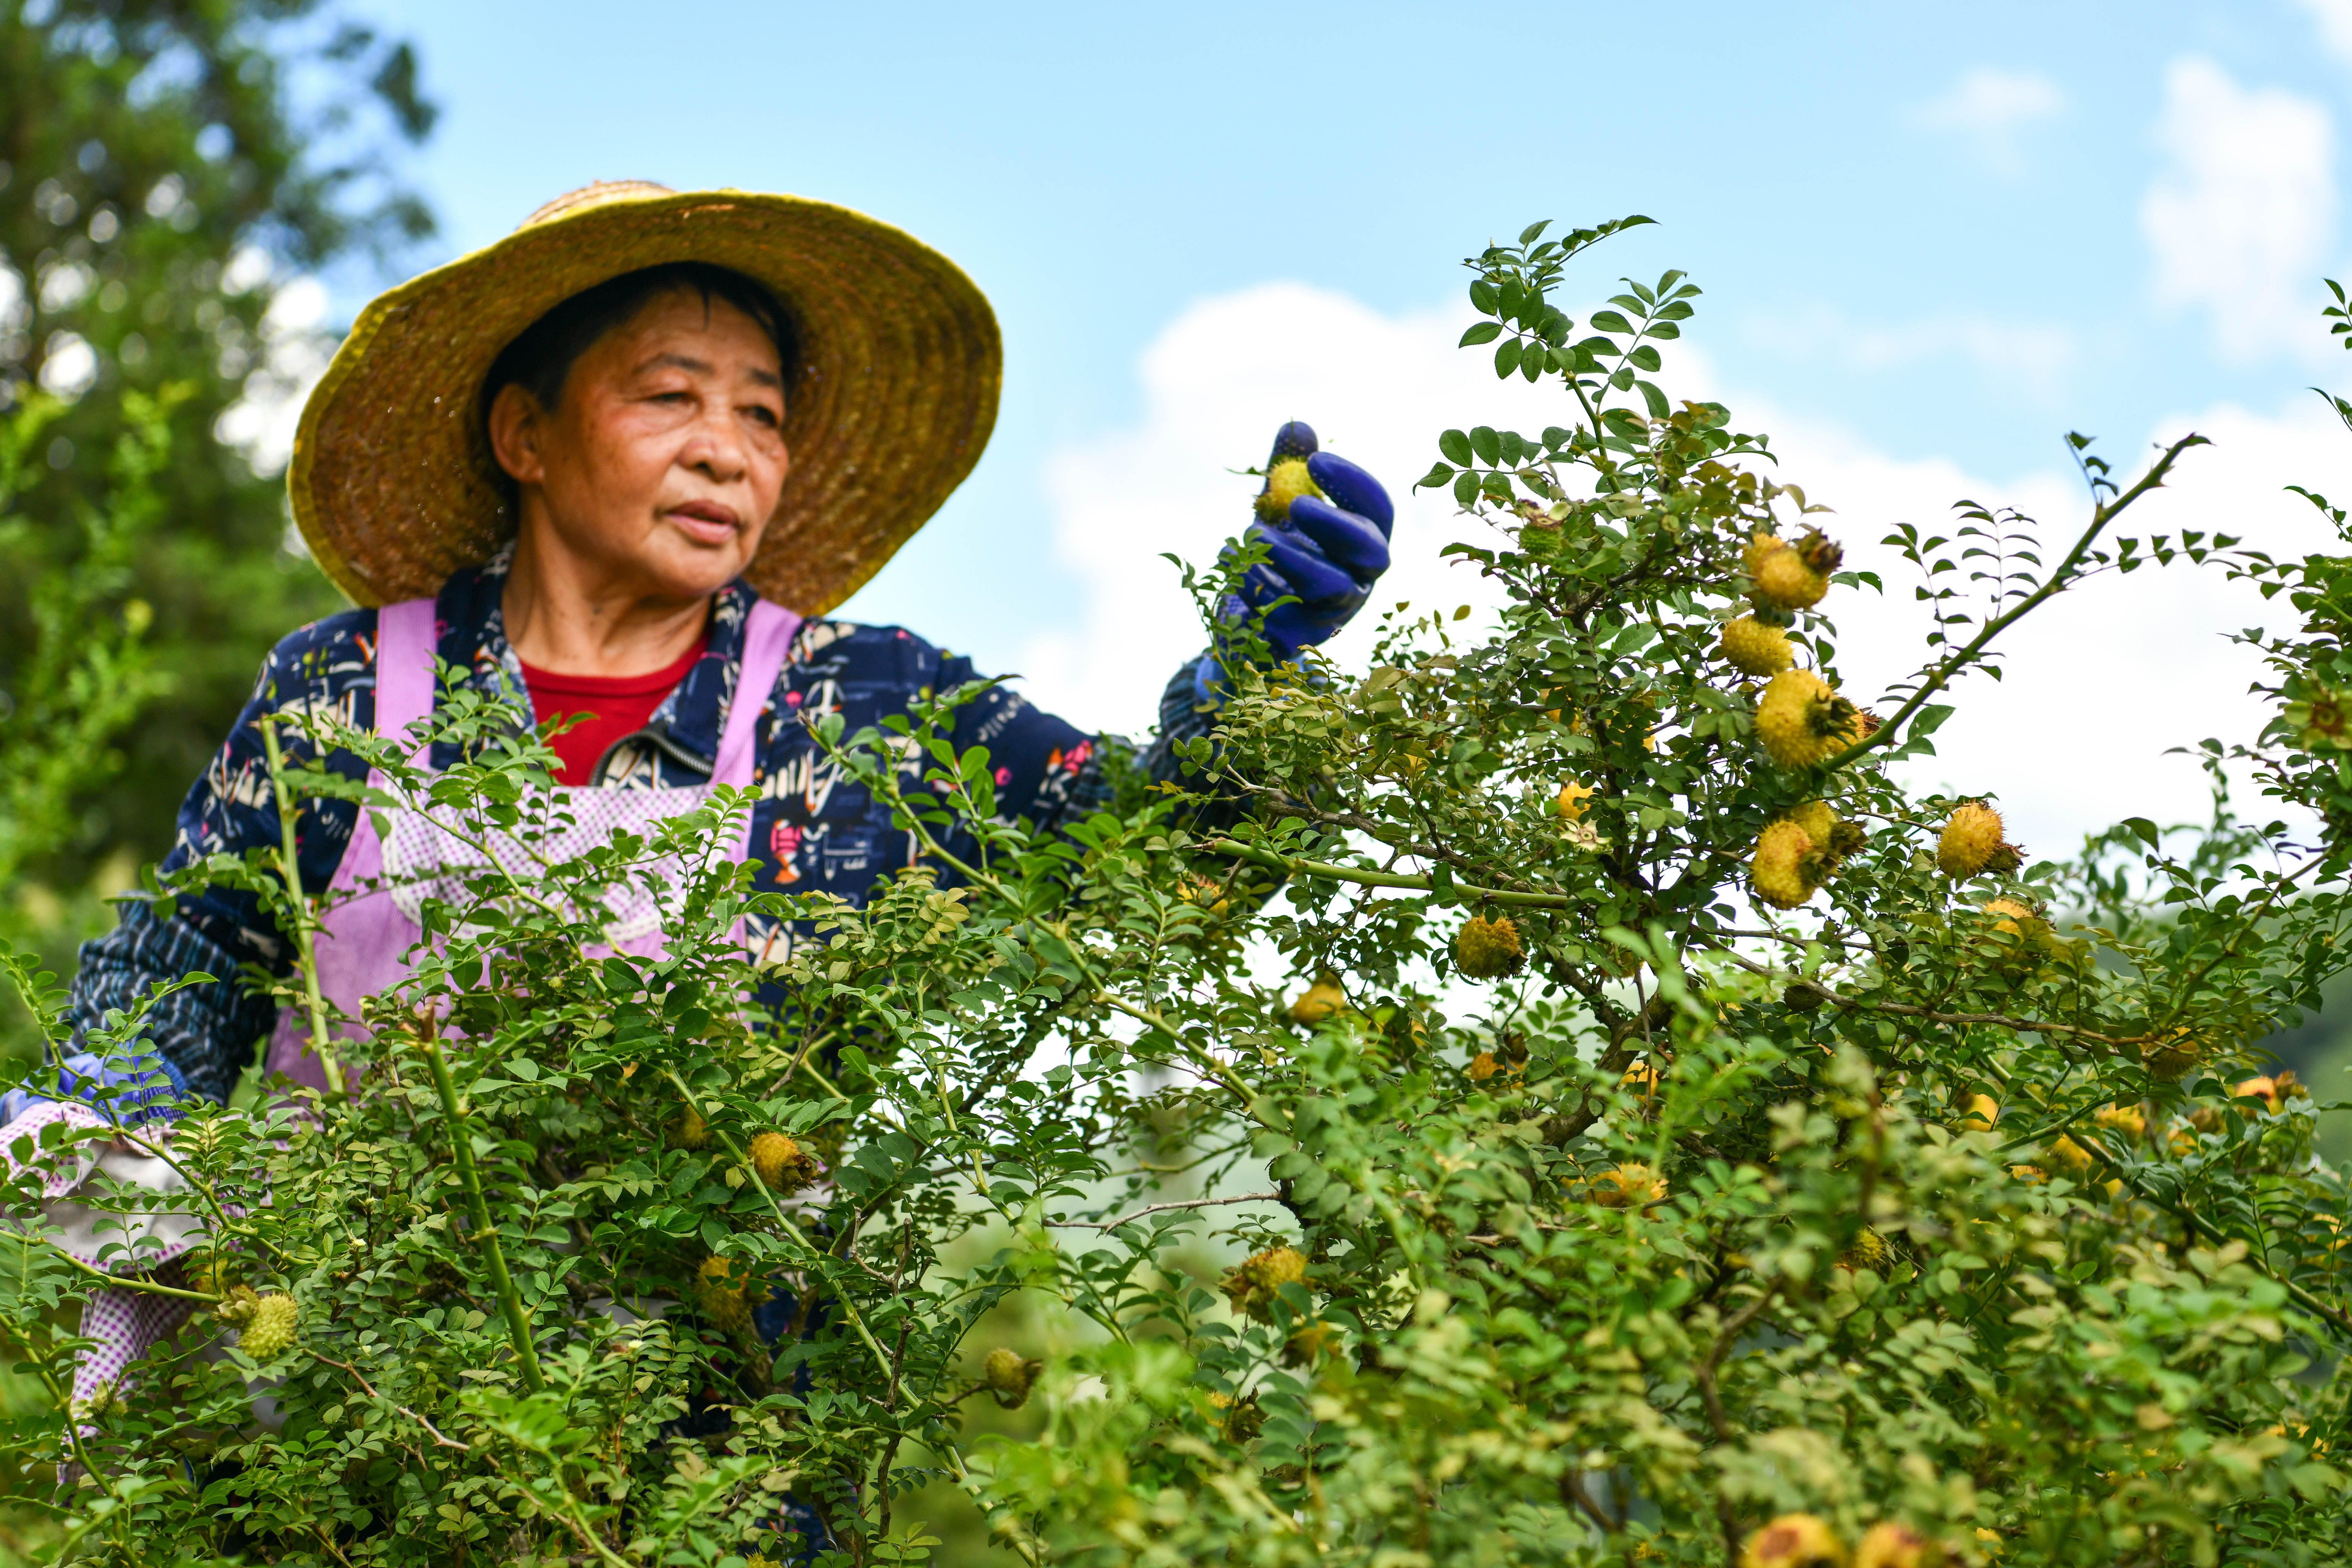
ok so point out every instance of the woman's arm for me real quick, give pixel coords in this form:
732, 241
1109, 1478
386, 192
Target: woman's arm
205, 1033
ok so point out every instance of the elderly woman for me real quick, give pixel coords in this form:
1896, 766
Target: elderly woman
604, 468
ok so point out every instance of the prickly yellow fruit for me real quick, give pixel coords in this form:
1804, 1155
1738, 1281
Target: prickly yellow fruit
1801, 720
783, 1165
2169, 1057
2273, 1092
2065, 1155
1009, 1377
1970, 840
1793, 1541
1982, 1113
1752, 648
1488, 949
1760, 546
2012, 917
1869, 1251
1286, 479
1571, 803
1783, 582
270, 1333
1642, 1078
2128, 1119
1318, 1001
1253, 1284
1892, 1545
1631, 1185
1817, 819
690, 1130
1203, 892
1787, 867
1482, 1066
718, 1291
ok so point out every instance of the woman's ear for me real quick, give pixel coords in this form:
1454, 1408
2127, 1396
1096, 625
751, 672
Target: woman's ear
516, 421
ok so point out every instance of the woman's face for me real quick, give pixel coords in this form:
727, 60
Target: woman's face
658, 470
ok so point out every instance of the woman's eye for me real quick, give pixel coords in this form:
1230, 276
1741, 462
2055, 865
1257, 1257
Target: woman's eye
761, 413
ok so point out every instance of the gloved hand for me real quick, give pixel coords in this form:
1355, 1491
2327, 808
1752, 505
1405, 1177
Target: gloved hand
132, 1089
1325, 553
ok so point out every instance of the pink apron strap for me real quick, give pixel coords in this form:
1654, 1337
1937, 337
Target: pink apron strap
767, 638
404, 648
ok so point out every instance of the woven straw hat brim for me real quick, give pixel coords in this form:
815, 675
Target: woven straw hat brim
901, 364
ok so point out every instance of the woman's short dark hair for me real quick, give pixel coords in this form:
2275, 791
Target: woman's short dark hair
540, 358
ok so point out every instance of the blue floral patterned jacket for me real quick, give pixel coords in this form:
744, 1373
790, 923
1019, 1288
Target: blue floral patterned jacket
812, 830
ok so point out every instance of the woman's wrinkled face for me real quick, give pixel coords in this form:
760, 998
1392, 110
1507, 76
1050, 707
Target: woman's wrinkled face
661, 464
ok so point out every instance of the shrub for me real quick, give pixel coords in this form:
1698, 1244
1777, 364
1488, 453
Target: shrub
1587, 1207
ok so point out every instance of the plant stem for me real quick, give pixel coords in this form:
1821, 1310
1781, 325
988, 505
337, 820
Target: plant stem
461, 1145
119, 1282
297, 907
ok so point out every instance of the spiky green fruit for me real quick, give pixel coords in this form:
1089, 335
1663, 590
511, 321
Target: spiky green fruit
271, 1331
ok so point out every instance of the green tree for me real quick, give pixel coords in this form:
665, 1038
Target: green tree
164, 166
1672, 1142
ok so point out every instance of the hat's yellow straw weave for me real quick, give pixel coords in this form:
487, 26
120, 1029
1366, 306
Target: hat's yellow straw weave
392, 482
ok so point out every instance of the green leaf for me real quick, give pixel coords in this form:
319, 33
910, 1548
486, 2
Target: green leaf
1456, 447
1480, 332
1609, 321
1657, 400
1486, 444
1506, 357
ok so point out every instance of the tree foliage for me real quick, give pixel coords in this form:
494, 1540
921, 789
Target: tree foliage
1634, 1127
165, 167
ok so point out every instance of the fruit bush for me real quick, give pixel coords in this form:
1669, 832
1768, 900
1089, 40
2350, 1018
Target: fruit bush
1637, 1128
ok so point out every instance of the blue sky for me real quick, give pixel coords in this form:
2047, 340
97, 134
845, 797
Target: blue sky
1934, 239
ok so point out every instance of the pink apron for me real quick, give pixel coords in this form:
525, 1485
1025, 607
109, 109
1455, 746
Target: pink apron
365, 938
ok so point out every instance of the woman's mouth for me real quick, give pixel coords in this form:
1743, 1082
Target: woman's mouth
706, 521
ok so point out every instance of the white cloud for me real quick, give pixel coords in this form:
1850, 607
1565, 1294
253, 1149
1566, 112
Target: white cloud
2034, 357
1989, 109
2242, 212
1216, 383
2333, 20
2102, 682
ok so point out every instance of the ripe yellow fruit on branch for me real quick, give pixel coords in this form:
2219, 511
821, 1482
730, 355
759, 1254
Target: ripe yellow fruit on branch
718, 1291
1971, 841
1489, 949
1633, 1185
1752, 648
1571, 799
1285, 481
1788, 866
2169, 1057
1792, 576
1255, 1283
690, 1130
1983, 1111
1793, 1541
1801, 720
270, 1333
1892, 1545
783, 1165
1318, 1001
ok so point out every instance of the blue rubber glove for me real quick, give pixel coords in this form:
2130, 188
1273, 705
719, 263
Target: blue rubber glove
134, 1089
1325, 555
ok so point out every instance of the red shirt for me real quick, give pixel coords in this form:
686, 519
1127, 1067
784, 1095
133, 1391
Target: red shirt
616, 706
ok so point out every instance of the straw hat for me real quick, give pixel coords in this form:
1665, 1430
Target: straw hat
392, 482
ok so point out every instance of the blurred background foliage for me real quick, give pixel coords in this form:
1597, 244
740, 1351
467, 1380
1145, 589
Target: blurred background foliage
174, 176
